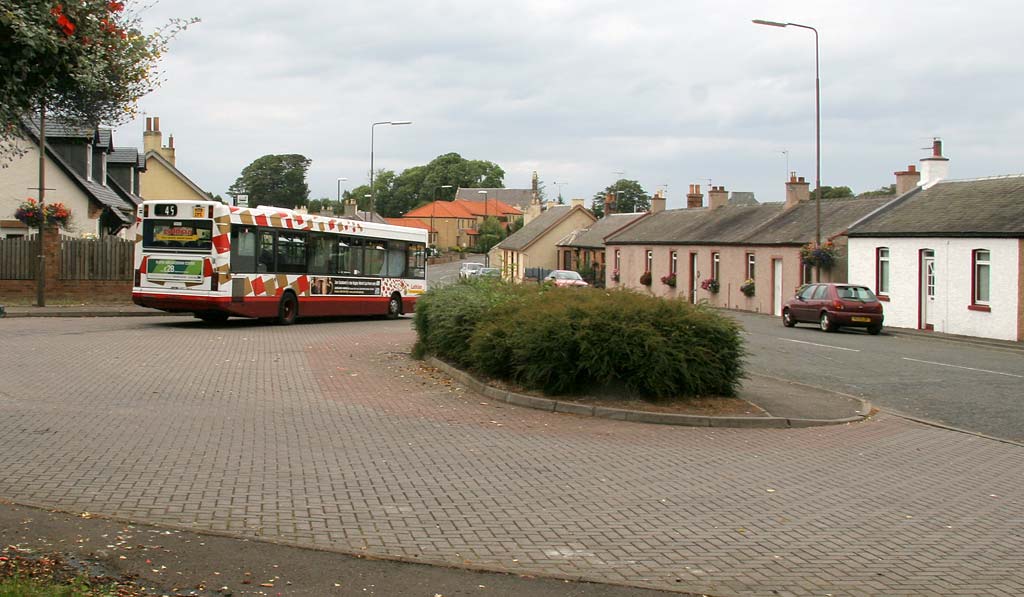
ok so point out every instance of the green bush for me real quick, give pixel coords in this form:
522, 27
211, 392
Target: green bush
573, 340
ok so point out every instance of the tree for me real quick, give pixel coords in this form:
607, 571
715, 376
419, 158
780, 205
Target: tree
828, 192
396, 195
278, 180
880, 192
491, 234
627, 197
85, 62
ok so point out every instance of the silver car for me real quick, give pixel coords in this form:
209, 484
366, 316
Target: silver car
468, 270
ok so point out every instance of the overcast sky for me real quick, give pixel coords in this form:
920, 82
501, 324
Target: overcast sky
669, 92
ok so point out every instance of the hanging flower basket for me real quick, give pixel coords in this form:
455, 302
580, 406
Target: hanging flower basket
669, 280
615, 275
645, 278
819, 256
29, 214
711, 285
747, 287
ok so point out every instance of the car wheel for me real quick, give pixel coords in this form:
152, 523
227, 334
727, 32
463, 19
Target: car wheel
826, 323
787, 318
875, 330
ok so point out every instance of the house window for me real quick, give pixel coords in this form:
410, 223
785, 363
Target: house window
618, 259
806, 273
88, 161
882, 271
650, 261
716, 260
982, 276
673, 263
751, 266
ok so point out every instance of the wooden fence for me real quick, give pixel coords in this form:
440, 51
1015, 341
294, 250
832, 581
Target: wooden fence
106, 258
18, 258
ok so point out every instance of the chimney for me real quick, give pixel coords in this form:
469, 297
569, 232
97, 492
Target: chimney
577, 202
348, 208
797, 190
609, 204
657, 202
152, 138
934, 168
168, 152
694, 198
907, 179
717, 197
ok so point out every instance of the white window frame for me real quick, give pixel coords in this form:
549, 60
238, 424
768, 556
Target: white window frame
883, 271
650, 261
673, 263
751, 266
976, 264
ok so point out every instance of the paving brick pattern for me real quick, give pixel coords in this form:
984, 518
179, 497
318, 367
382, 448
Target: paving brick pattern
326, 434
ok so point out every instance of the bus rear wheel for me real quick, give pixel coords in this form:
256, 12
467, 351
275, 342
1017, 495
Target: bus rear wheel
288, 310
394, 306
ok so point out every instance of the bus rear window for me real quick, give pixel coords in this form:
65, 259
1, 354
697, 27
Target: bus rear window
176, 235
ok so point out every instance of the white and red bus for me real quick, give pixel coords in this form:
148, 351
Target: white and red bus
217, 261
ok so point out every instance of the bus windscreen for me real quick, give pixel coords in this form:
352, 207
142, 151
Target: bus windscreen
176, 235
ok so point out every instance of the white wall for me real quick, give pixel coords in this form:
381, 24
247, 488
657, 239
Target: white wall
953, 283
23, 173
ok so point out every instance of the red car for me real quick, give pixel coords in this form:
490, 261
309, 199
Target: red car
564, 277
832, 306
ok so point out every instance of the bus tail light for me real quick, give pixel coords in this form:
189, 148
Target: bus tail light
210, 212
138, 272
145, 210
209, 273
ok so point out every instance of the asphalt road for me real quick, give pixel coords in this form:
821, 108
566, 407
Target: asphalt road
445, 273
971, 387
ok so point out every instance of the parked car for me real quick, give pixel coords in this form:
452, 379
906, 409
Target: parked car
489, 272
832, 306
470, 269
564, 277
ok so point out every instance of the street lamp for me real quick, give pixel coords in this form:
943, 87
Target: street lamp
392, 123
433, 208
487, 257
817, 131
339, 190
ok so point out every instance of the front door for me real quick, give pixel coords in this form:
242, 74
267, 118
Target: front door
776, 287
928, 311
694, 278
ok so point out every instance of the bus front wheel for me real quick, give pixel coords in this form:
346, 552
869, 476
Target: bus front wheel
394, 306
288, 310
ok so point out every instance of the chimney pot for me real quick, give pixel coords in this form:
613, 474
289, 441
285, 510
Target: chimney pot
170, 142
937, 148
801, 179
156, 123
149, 124
912, 168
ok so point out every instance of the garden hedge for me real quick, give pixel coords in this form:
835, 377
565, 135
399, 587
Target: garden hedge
582, 340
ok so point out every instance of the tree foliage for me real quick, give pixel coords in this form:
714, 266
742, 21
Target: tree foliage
828, 192
395, 195
627, 197
88, 61
491, 233
278, 180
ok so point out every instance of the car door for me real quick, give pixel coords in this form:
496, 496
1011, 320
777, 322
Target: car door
801, 306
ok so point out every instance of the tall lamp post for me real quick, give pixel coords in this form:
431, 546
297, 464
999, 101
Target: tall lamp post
373, 193
339, 191
433, 208
817, 131
486, 254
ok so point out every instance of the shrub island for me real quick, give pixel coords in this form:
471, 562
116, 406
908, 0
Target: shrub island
573, 341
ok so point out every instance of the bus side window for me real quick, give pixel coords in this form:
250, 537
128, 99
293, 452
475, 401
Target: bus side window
243, 249
356, 257
266, 258
321, 254
396, 259
376, 258
343, 255
415, 256
291, 252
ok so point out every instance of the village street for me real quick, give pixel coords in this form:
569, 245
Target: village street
325, 434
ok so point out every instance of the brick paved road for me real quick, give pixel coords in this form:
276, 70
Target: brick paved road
325, 434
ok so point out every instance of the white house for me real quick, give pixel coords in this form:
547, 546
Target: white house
947, 255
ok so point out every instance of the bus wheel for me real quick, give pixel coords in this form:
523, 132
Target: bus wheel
288, 310
395, 306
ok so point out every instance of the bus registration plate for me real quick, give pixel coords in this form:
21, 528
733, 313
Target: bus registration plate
178, 270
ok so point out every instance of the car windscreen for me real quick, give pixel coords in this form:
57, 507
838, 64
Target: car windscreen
855, 293
177, 235
567, 276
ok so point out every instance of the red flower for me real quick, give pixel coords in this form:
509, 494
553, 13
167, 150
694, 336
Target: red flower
65, 25
57, 10
115, 6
